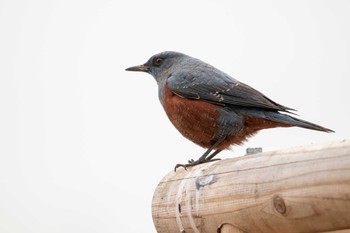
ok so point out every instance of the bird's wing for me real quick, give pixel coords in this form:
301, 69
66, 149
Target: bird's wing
218, 88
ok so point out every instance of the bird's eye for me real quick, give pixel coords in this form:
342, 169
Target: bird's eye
158, 61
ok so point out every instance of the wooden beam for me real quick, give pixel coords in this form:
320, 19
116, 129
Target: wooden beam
303, 189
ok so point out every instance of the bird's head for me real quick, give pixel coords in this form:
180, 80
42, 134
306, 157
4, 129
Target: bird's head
161, 65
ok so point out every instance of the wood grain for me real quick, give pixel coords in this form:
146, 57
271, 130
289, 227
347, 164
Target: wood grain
303, 189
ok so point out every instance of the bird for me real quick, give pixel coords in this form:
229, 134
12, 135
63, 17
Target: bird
211, 108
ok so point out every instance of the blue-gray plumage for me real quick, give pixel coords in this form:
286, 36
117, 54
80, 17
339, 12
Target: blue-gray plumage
211, 108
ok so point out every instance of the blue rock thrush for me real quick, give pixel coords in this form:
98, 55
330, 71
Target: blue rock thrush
211, 108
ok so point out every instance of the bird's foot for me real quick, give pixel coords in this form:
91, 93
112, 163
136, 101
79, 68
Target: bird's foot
192, 163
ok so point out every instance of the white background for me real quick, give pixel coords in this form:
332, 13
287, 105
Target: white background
83, 144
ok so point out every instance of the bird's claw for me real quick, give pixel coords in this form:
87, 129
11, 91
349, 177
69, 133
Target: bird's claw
181, 165
192, 163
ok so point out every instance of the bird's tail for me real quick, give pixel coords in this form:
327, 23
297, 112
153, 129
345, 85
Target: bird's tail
308, 125
291, 121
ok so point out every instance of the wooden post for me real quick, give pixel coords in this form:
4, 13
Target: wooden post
304, 189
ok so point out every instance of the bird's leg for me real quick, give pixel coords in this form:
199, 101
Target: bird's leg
206, 157
203, 157
210, 157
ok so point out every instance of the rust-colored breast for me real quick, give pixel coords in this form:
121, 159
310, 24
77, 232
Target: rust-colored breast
198, 121
194, 119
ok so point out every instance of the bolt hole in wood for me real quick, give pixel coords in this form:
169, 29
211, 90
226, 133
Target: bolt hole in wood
179, 208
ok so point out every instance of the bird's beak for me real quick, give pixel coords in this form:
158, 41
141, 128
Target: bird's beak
142, 68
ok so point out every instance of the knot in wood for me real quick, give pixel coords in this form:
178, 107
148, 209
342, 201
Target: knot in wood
279, 205
229, 228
